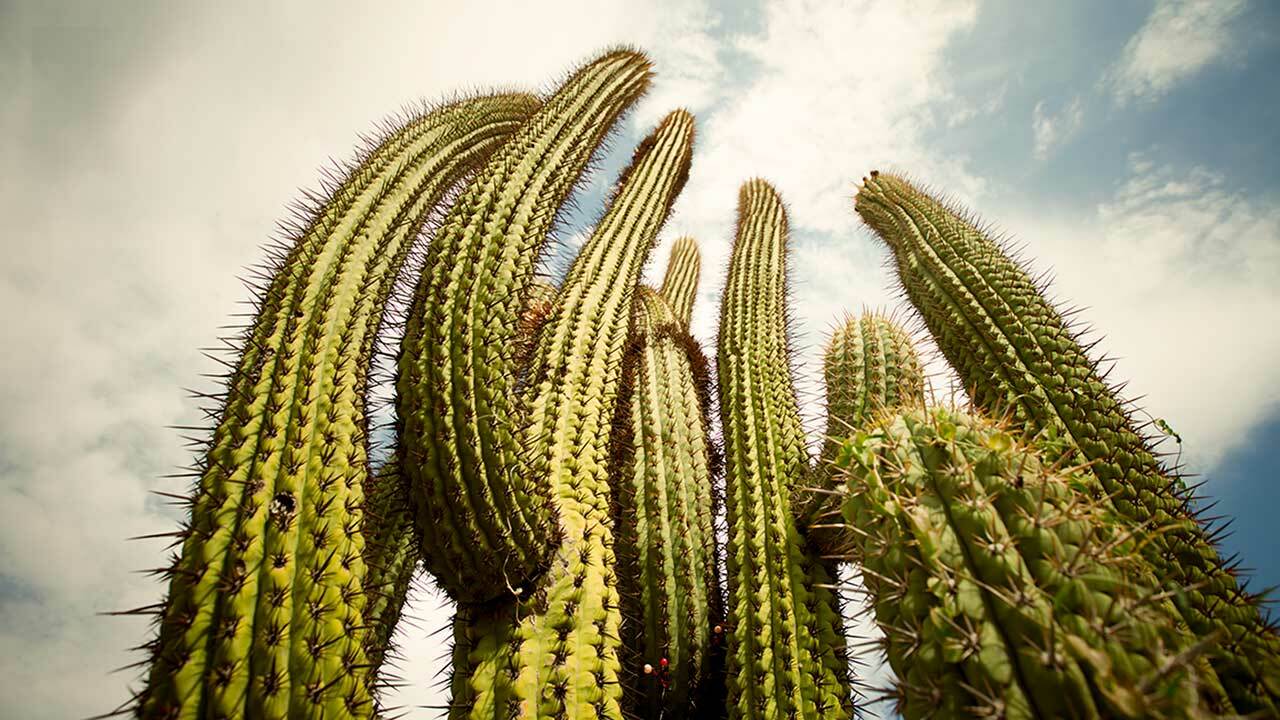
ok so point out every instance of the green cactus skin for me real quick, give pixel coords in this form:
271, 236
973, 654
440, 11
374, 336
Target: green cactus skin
680, 284
1002, 588
484, 515
785, 637
390, 559
554, 652
870, 365
664, 499
264, 616
1016, 354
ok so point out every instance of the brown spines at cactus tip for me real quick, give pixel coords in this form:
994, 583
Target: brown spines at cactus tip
265, 611
1015, 353
786, 644
486, 522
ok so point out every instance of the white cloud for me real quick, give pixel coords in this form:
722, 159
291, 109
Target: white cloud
1178, 39
1051, 130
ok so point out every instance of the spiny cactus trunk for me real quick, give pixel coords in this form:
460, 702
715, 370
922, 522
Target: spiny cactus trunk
487, 522
1015, 354
870, 366
666, 545
1004, 590
554, 653
786, 641
390, 559
265, 612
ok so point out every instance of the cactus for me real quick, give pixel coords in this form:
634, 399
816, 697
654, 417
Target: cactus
786, 642
538, 621
1015, 353
870, 366
664, 507
1004, 589
390, 560
264, 615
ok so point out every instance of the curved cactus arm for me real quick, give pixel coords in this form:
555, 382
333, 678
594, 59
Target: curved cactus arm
487, 528
390, 559
555, 654
264, 616
870, 365
680, 283
786, 645
1015, 353
665, 534
1003, 589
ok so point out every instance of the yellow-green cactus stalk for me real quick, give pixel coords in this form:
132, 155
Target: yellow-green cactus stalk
1005, 590
1016, 354
786, 655
265, 616
552, 650
390, 559
664, 499
485, 516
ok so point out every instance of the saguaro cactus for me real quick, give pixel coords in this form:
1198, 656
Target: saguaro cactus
1016, 354
786, 656
667, 563
1003, 589
265, 612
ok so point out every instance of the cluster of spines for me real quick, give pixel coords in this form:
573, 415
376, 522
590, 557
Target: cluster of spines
264, 615
786, 643
1016, 354
1003, 588
664, 506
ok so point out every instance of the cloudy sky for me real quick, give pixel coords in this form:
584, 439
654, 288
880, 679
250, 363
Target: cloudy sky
146, 150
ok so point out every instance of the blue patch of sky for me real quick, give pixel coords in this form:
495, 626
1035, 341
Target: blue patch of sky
1245, 486
1226, 117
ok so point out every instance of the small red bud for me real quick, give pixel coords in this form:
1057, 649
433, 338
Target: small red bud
663, 662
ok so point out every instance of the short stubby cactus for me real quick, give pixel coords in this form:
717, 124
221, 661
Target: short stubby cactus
1002, 588
664, 500
265, 612
786, 655
1015, 354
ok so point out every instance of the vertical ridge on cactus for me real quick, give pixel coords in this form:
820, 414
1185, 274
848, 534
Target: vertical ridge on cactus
665, 534
264, 615
1015, 353
486, 524
785, 645
390, 559
555, 652
680, 283
1002, 588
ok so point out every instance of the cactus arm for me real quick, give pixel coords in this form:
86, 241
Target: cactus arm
680, 284
390, 558
784, 658
1002, 587
487, 529
1015, 352
555, 654
263, 616
665, 543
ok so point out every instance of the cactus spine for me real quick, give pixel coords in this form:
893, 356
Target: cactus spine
1015, 353
663, 494
786, 644
1002, 588
264, 615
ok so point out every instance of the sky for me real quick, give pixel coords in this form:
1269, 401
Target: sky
147, 150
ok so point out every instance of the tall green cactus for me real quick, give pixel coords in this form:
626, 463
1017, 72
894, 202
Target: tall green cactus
663, 494
265, 612
1003, 589
534, 638
786, 643
1015, 353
